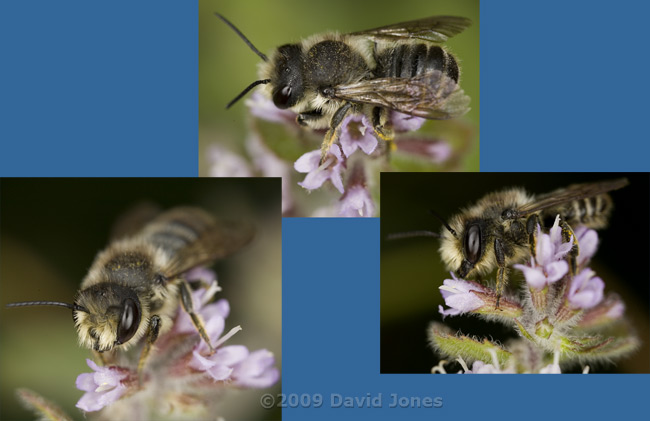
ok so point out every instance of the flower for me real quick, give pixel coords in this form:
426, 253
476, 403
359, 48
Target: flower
201, 301
262, 107
357, 133
547, 266
586, 291
588, 241
270, 165
479, 367
256, 370
103, 387
551, 369
457, 294
357, 202
406, 123
436, 151
318, 174
225, 163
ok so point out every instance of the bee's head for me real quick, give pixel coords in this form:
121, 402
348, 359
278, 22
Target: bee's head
286, 76
463, 245
109, 315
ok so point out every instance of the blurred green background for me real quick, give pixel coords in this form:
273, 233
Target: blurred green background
227, 65
51, 229
411, 269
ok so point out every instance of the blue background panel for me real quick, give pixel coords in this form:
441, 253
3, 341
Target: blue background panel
98, 89
564, 85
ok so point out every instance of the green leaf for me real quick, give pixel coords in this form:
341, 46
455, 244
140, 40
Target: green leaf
597, 348
470, 349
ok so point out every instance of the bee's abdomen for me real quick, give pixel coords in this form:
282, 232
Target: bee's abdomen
592, 211
409, 60
178, 228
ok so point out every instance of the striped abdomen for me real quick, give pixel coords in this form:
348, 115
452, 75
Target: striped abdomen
592, 211
409, 60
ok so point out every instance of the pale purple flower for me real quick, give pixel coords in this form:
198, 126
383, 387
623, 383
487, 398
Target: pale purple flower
479, 367
548, 265
227, 361
257, 370
103, 387
457, 294
357, 133
201, 301
434, 150
616, 310
588, 243
218, 365
201, 273
262, 107
225, 163
270, 165
357, 202
551, 369
586, 290
406, 123
318, 174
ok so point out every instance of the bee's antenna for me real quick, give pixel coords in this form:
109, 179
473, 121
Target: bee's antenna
411, 234
75, 307
242, 36
248, 88
441, 219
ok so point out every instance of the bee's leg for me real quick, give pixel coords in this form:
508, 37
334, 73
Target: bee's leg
186, 301
572, 256
502, 274
152, 335
334, 130
303, 118
101, 357
531, 228
382, 128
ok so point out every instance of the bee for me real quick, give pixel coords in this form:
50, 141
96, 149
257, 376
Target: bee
501, 228
133, 288
401, 67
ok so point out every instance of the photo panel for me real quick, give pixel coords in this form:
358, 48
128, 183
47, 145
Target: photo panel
120, 251
430, 313
315, 96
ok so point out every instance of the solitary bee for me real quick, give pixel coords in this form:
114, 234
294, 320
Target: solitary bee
501, 228
400, 67
133, 287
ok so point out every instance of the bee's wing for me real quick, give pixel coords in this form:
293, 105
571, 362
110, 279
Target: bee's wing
573, 192
431, 95
134, 220
435, 29
194, 238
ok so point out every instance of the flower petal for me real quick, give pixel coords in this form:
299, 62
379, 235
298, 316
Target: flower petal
85, 382
307, 162
535, 277
315, 179
556, 270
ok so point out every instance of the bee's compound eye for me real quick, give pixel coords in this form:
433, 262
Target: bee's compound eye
129, 321
473, 243
282, 96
